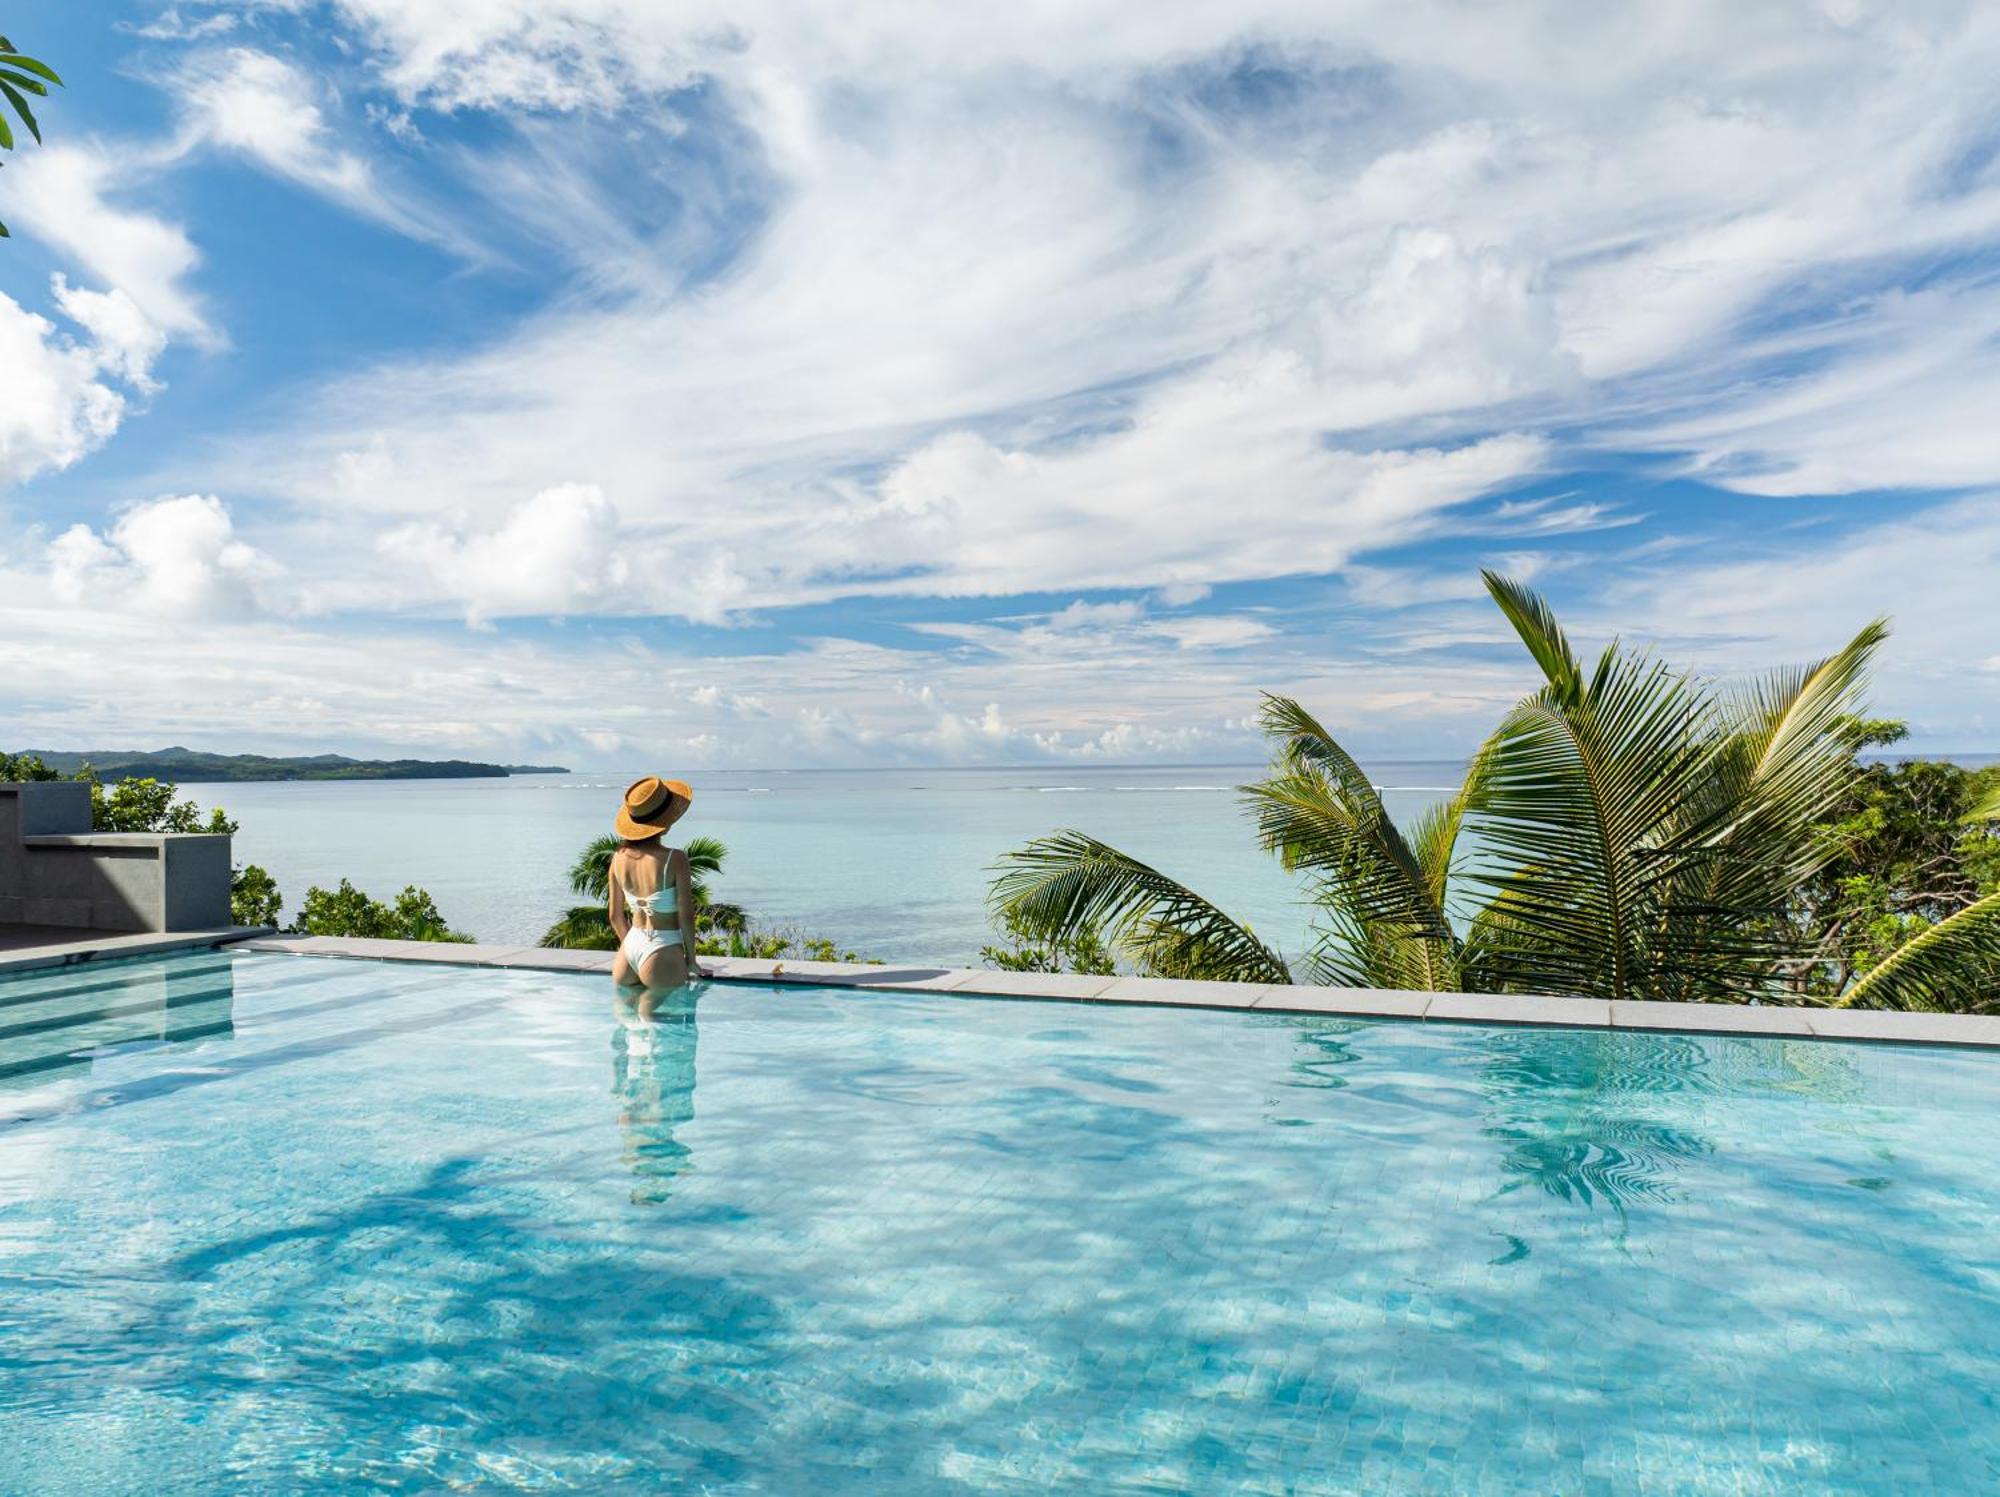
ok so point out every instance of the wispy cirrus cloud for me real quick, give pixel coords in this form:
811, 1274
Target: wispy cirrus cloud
1118, 310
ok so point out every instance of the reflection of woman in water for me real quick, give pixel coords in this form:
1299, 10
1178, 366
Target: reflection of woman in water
652, 901
652, 1075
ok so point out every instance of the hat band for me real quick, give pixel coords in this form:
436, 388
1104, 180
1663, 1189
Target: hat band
653, 806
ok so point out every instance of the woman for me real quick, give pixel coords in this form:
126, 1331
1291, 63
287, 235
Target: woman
652, 906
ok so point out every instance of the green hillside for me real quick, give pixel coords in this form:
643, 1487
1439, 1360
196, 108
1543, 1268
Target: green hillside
187, 766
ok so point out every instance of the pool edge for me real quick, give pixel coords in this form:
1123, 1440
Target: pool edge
1973, 1031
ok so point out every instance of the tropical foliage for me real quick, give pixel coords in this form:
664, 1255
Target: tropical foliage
20, 76
347, 911
1083, 951
254, 897
1628, 831
1952, 964
1912, 851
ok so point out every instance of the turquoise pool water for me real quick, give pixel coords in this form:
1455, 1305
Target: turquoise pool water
296, 1225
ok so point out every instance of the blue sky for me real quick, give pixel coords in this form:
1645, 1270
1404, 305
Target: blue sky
846, 384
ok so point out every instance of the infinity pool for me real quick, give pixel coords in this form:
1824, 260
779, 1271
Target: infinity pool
288, 1224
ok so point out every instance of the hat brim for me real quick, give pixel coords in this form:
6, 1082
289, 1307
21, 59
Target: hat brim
633, 829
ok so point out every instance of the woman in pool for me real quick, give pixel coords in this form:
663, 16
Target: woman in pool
652, 906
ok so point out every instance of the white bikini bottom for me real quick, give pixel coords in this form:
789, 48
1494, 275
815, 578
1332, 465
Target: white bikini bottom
640, 944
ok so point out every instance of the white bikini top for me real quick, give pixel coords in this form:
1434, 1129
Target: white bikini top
660, 902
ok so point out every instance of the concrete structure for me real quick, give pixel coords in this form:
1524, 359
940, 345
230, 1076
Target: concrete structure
57, 874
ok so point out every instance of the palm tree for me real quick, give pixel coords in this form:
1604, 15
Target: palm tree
588, 926
21, 75
1953, 967
1626, 832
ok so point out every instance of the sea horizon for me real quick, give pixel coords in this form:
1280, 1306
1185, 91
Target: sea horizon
889, 861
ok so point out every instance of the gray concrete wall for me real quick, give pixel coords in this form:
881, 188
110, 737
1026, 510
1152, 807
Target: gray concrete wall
55, 871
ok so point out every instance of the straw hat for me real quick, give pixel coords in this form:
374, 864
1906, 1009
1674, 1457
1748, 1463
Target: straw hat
651, 806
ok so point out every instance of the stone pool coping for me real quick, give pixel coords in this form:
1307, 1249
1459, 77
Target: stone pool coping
90, 946
1975, 1030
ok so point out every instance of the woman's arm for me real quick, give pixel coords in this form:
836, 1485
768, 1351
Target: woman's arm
621, 919
684, 903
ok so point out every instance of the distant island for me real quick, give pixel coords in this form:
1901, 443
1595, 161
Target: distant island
187, 766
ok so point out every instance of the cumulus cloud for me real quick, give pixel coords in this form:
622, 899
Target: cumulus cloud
555, 552
178, 556
62, 398
127, 341
67, 196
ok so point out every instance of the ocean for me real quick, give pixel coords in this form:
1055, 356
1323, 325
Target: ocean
891, 864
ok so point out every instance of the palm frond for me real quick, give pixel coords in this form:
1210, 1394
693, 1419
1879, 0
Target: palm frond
583, 927
590, 874
1061, 885
1789, 764
1535, 622
1954, 967
1350, 951
1988, 808
1575, 795
1747, 832
705, 856
1321, 814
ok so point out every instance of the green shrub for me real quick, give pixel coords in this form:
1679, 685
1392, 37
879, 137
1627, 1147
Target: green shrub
347, 911
1083, 952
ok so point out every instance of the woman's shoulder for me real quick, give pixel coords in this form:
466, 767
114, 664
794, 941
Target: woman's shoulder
650, 852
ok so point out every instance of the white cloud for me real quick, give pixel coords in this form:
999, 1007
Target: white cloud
557, 551
60, 402
1215, 632
1911, 403
1082, 615
72, 195
127, 341
1096, 297
170, 26
958, 738
178, 556
64, 195
241, 99
1060, 301
262, 107
985, 692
